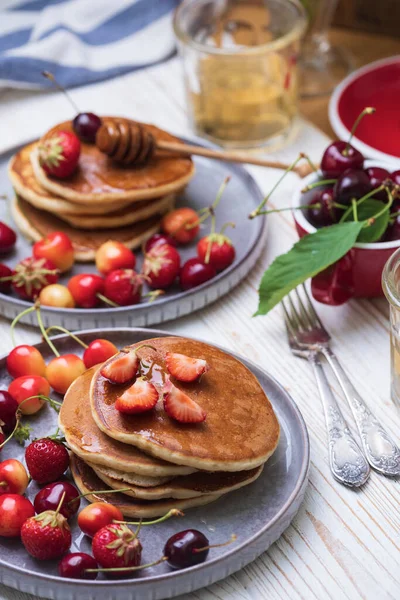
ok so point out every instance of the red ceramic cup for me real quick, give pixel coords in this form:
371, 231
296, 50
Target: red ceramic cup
359, 273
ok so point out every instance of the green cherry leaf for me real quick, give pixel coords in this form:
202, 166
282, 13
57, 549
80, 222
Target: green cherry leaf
310, 255
366, 210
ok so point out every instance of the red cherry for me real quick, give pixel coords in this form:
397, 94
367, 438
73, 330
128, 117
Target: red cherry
222, 253
183, 549
321, 211
5, 286
351, 184
25, 360
14, 511
114, 255
85, 289
158, 239
8, 409
194, 272
377, 176
161, 266
124, 287
56, 247
395, 176
49, 498
338, 157
31, 275
76, 564
98, 352
63, 370
85, 126
13, 477
182, 224
26, 386
96, 516
7, 238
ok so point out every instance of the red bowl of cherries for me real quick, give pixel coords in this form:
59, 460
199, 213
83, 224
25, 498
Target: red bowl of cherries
344, 178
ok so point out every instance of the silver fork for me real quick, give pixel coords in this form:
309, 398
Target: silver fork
310, 335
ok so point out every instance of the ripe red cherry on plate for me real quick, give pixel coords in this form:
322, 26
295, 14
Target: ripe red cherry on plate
6, 272
114, 255
13, 477
8, 410
96, 516
8, 238
98, 352
194, 272
186, 548
49, 498
85, 289
182, 224
76, 564
31, 275
59, 154
58, 248
14, 511
25, 360
86, 126
124, 287
161, 266
158, 239
63, 370
26, 386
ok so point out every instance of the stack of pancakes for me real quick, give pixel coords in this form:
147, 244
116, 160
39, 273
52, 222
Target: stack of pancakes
161, 463
101, 200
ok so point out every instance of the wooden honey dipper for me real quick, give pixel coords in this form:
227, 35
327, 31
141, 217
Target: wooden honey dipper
130, 143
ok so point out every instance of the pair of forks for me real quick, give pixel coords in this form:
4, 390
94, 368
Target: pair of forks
349, 464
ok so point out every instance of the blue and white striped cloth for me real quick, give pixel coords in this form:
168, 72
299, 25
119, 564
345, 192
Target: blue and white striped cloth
81, 41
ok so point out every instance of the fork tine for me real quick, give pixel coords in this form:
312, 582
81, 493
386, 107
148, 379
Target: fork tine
307, 316
312, 310
299, 323
291, 331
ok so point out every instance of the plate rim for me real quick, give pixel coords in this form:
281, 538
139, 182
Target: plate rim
160, 302
235, 550
337, 124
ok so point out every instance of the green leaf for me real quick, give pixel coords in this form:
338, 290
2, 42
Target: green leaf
310, 255
366, 210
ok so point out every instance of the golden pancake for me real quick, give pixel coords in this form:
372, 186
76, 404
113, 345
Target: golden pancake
100, 179
140, 480
20, 171
87, 481
35, 224
127, 215
240, 432
89, 443
188, 486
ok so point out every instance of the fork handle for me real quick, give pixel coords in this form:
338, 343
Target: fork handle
346, 460
381, 451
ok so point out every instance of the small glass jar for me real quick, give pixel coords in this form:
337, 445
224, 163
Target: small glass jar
240, 67
391, 288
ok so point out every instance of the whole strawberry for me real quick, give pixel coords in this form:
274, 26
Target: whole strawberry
161, 266
116, 546
46, 460
59, 154
31, 275
217, 250
47, 535
123, 286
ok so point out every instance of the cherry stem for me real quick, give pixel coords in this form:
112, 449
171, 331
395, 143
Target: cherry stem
107, 301
225, 225
17, 422
16, 320
51, 78
74, 337
318, 184
153, 295
354, 207
174, 512
99, 492
361, 200
371, 220
369, 110
44, 333
127, 569
233, 539
60, 504
209, 210
257, 211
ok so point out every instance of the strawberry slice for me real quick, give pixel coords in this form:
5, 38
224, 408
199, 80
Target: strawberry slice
138, 398
123, 369
185, 368
180, 407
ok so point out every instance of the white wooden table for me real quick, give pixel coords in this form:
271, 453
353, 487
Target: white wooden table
343, 544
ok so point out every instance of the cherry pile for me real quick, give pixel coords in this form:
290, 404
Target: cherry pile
117, 283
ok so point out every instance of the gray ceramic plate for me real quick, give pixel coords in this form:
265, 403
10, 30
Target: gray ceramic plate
257, 514
241, 196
